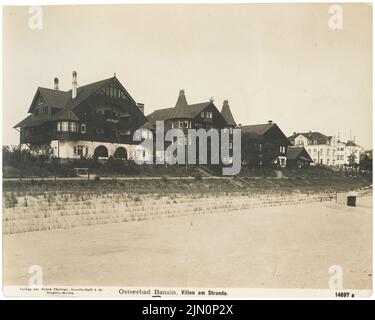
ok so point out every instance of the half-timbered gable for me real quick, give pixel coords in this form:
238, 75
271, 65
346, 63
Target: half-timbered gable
100, 113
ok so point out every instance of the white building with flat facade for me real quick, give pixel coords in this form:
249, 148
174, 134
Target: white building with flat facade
327, 150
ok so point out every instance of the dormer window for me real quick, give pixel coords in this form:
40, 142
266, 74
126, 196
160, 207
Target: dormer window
83, 128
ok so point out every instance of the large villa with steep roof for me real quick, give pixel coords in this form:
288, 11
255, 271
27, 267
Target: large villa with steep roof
99, 120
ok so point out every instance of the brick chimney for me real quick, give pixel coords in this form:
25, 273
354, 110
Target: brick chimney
74, 85
56, 84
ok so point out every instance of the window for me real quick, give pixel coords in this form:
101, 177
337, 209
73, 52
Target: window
79, 150
202, 114
180, 124
63, 126
83, 128
172, 125
73, 127
186, 124
45, 110
230, 145
260, 147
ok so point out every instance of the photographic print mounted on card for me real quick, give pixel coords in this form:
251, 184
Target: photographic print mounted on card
187, 151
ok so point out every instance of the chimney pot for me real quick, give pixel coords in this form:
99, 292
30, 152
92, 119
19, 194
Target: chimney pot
56, 84
182, 92
226, 103
74, 85
269, 121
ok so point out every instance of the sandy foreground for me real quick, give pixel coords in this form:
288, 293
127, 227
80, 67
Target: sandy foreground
273, 247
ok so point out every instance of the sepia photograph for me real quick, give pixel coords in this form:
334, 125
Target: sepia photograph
175, 151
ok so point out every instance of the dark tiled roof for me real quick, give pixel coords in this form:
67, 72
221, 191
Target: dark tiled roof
350, 144
29, 122
169, 113
181, 109
257, 129
65, 114
63, 100
24, 122
197, 108
160, 115
55, 98
227, 114
293, 153
319, 137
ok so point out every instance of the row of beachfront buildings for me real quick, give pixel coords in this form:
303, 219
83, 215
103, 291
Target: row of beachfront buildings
99, 120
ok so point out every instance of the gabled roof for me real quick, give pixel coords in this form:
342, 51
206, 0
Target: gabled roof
54, 98
65, 114
319, 137
294, 153
160, 115
63, 100
197, 108
227, 114
169, 113
24, 122
350, 143
257, 129
181, 109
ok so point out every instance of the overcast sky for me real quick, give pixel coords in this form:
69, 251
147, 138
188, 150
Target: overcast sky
272, 62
